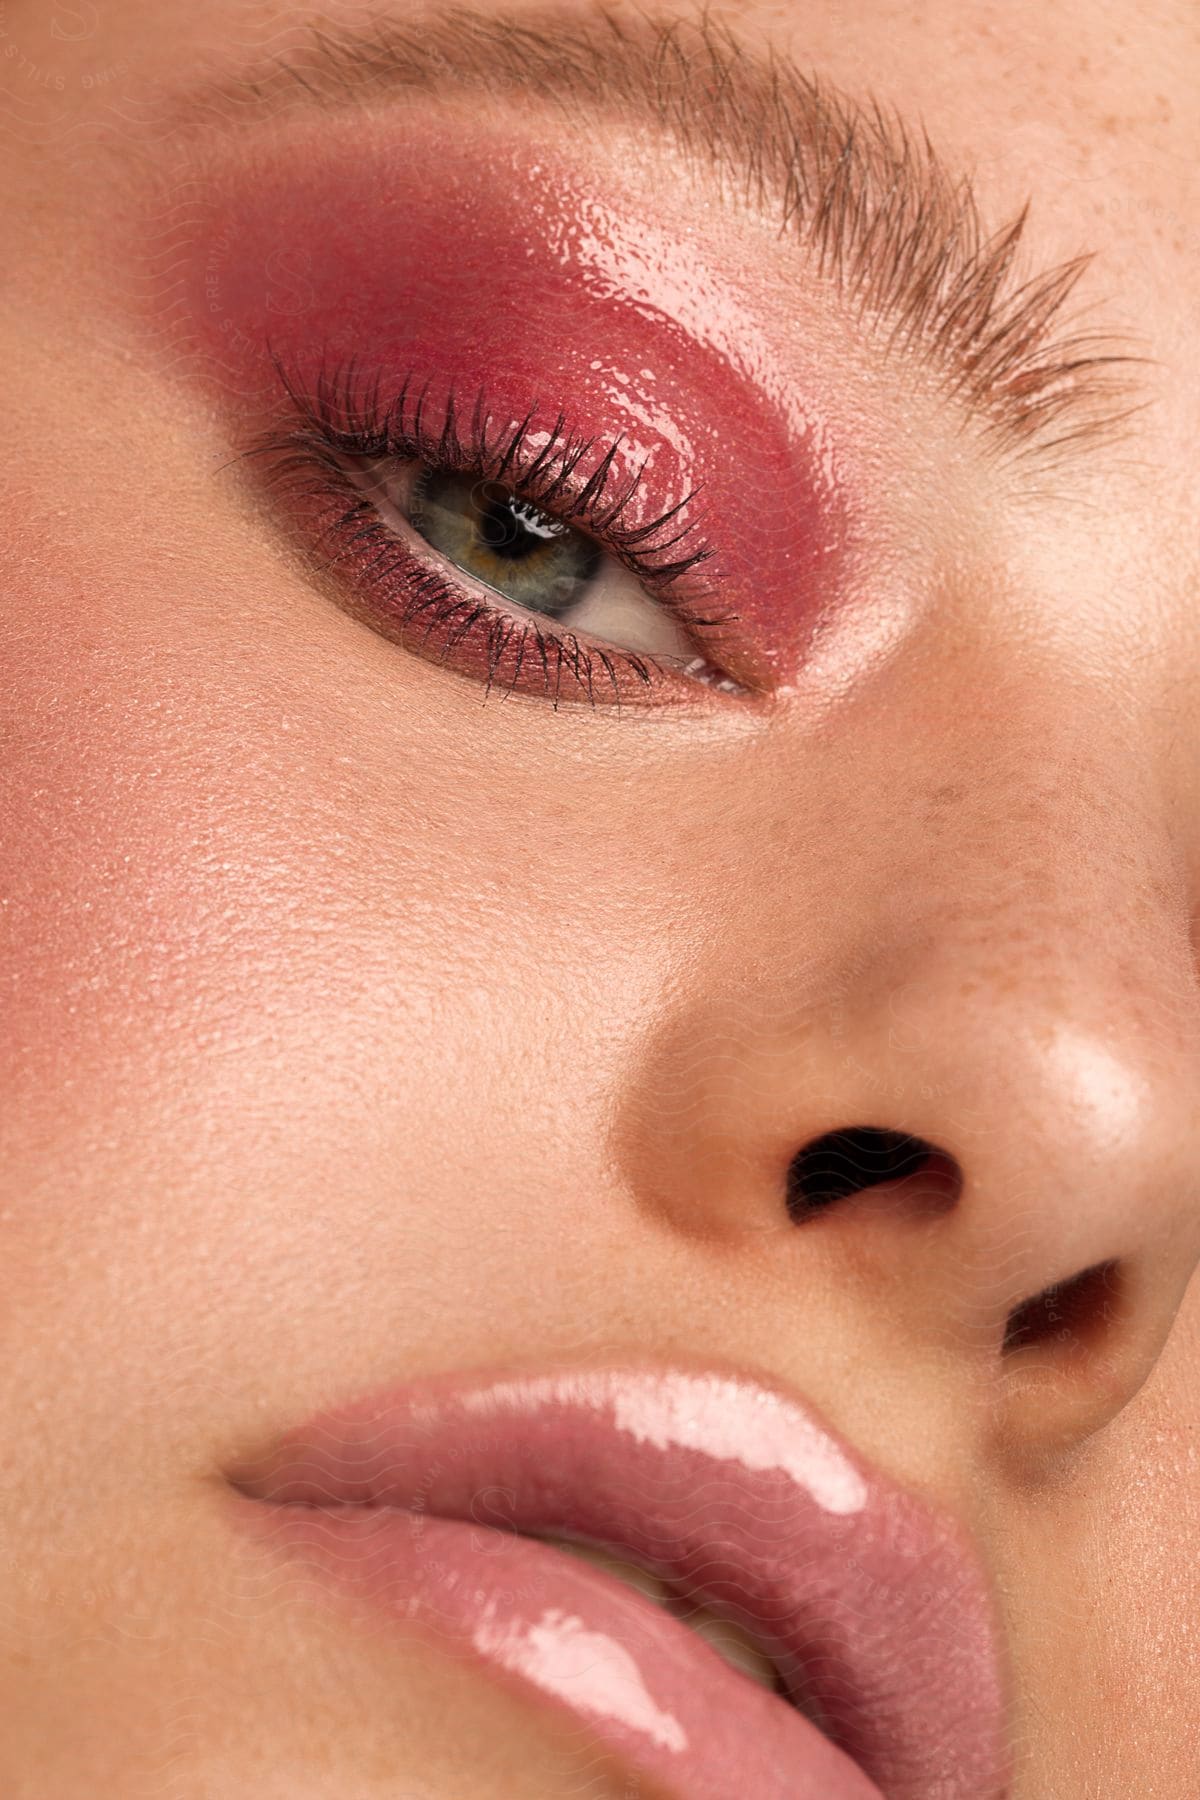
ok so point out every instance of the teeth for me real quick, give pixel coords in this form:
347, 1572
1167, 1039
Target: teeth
727, 1639
731, 1642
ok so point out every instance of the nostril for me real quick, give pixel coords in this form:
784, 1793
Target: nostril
1066, 1312
841, 1163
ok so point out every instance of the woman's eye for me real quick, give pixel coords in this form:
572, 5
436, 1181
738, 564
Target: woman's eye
508, 545
527, 558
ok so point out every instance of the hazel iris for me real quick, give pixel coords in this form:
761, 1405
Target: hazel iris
506, 542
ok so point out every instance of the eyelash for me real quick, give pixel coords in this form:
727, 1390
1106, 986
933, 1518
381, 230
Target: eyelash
342, 419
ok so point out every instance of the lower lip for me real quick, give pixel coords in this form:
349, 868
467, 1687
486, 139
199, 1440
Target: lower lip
647, 1688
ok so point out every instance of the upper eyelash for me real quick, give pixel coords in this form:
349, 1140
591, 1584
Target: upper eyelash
343, 414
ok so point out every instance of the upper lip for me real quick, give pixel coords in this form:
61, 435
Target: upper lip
870, 1601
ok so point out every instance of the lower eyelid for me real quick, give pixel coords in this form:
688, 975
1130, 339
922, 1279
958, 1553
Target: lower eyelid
368, 479
430, 599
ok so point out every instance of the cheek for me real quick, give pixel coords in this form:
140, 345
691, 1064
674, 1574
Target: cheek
273, 908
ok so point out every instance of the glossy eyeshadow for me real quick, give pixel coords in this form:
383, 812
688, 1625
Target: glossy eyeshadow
461, 274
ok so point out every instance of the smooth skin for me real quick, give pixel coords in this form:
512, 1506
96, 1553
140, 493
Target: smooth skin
353, 1030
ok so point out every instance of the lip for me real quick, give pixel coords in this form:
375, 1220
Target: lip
870, 1601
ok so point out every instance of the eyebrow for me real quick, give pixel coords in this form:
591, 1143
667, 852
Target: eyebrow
866, 195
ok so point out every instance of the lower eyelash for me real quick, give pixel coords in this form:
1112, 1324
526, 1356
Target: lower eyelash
499, 633
341, 420
413, 595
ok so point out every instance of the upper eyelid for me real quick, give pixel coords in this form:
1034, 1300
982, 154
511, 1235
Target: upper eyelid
868, 199
344, 406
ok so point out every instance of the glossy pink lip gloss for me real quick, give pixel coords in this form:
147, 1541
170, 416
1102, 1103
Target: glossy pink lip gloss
870, 1603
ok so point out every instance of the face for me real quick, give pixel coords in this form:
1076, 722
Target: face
600, 863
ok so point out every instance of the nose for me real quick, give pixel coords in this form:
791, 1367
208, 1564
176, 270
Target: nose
956, 1089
